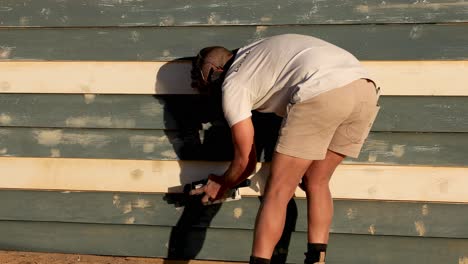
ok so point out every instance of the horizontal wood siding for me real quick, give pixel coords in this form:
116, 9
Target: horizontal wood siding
350, 216
366, 42
218, 244
100, 130
397, 114
443, 184
436, 149
81, 13
420, 78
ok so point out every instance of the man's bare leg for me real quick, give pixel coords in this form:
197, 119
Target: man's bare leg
319, 202
286, 173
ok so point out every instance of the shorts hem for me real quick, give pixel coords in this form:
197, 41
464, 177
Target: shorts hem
299, 154
343, 151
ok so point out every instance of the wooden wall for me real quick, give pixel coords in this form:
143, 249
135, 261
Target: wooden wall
99, 129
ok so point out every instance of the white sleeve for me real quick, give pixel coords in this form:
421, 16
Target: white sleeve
237, 104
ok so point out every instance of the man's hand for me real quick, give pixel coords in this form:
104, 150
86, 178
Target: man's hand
212, 190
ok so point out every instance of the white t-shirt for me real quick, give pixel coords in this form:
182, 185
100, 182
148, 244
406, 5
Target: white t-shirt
272, 72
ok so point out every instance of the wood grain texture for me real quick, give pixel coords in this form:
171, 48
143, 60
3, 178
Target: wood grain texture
434, 78
153, 241
366, 42
397, 114
350, 216
443, 184
81, 13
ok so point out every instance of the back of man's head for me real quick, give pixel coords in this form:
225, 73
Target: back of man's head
207, 60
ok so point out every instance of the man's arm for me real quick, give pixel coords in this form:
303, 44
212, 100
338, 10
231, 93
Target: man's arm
242, 165
245, 157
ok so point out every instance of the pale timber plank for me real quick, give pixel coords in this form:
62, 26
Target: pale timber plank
442, 78
445, 184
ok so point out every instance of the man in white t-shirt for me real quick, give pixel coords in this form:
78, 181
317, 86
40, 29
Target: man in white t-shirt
328, 104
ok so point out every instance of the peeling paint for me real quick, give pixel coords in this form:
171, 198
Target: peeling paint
45, 12
266, 19
151, 109
416, 32
140, 141
371, 229
372, 156
66, 192
167, 21
135, 36
148, 147
169, 154
130, 220
125, 123
398, 150
24, 21
48, 138
213, 19
55, 137
3, 151
5, 119
362, 8
351, 213
425, 210
116, 200
260, 29
141, 203
137, 174
55, 153
89, 98
5, 52
420, 228
5, 8
127, 208
85, 121
238, 213
166, 53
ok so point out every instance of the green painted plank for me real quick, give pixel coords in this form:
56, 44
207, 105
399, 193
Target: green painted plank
350, 216
367, 42
218, 244
83, 13
397, 114
436, 149
422, 114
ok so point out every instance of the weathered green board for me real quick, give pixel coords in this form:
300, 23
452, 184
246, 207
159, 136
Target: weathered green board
218, 244
350, 217
82, 13
397, 114
437, 149
367, 42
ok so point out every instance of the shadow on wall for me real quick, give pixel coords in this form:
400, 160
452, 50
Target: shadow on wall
202, 134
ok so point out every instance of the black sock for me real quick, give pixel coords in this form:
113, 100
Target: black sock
256, 260
314, 251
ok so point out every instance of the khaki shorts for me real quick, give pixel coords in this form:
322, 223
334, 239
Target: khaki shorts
338, 120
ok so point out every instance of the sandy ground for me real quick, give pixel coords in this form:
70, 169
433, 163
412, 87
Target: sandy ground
13, 257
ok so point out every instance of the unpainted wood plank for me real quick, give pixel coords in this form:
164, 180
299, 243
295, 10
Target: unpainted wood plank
397, 114
218, 244
72, 77
81, 13
367, 42
350, 216
412, 183
214, 143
